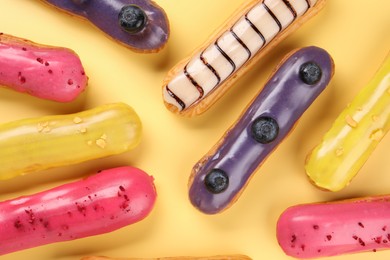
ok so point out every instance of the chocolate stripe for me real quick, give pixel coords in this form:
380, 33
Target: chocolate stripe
226, 56
308, 3
288, 4
178, 100
255, 29
242, 44
273, 16
211, 68
193, 81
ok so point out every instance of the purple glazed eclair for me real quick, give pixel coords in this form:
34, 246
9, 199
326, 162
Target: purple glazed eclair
221, 175
140, 25
335, 228
47, 72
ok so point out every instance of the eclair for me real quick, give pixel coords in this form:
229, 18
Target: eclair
35, 144
140, 25
221, 175
104, 202
354, 135
199, 80
335, 228
46, 72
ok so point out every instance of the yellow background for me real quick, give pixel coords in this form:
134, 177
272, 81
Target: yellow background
355, 32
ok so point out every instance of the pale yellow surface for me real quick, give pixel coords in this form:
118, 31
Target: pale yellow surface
356, 34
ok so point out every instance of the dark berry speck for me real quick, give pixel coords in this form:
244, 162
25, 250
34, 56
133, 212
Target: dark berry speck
293, 238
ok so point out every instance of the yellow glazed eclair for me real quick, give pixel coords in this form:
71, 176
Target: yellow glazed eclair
35, 144
353, 136
198, 81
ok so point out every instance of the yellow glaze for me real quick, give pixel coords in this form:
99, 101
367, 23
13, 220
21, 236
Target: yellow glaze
353, 136
40, 143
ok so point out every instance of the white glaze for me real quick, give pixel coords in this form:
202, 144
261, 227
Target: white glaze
197, 80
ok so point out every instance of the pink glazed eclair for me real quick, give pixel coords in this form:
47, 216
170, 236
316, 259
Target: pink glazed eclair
47, 72
104, 202
335, 228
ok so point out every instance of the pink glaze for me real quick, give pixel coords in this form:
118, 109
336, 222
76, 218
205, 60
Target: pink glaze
101, 203
52, 73
334, 228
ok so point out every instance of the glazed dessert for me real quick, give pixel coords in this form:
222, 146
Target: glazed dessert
353, 136
35, 144
198, 81
335, 228
47, 72
104, 202
221, 175
140, 25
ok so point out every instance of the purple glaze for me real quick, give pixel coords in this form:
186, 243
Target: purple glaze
284, 98
104, 15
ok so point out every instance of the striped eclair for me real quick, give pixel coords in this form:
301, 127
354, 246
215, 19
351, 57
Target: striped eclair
198, 81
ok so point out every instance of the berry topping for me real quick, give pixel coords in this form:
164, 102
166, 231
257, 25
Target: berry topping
310, 73
264, 129
132, 18
216, 181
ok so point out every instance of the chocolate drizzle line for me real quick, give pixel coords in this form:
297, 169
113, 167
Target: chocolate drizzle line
288, 4
273, 16
224, 54
242, 44
211, 68
255, 29
193, 81
178, 100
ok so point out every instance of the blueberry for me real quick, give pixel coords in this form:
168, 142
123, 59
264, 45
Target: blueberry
132, 18
216, 181
310, 73
264, 129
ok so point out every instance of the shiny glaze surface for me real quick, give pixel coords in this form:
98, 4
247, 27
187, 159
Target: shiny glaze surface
35, 144
285, 97
328, 229
104, 15
353, 136
46, 72
102, 203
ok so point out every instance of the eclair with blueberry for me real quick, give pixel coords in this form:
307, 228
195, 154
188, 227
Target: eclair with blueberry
198, 81
140, 25
221, 175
